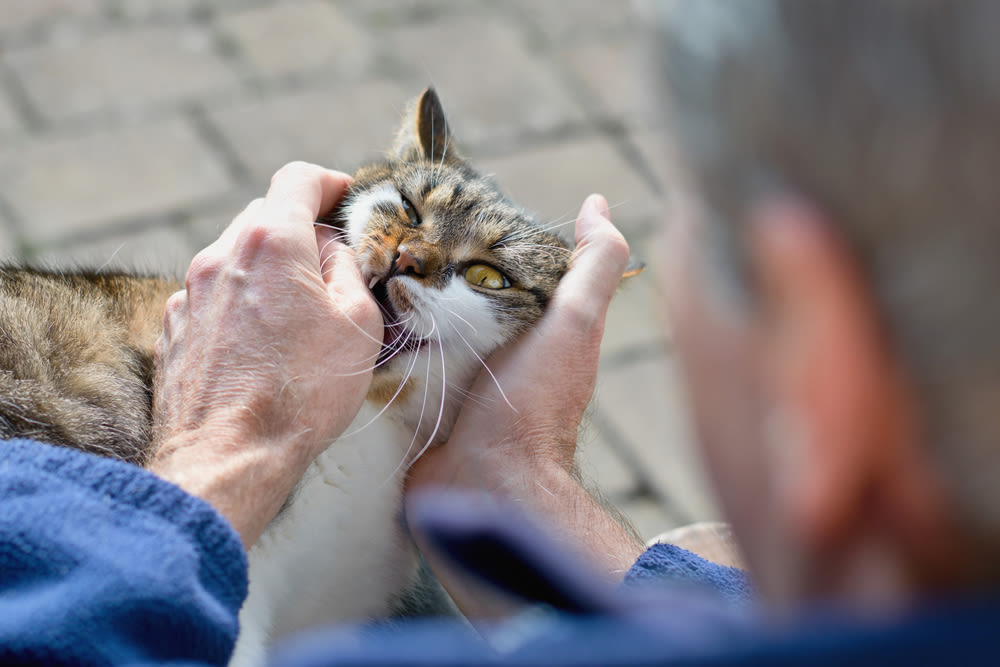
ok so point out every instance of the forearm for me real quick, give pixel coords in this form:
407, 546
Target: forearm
517, 440
240, 485
573, 518
576, 519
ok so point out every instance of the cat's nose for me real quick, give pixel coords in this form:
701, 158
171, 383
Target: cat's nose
407, 263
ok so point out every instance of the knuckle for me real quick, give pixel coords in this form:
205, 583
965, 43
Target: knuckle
176, 303
174, 315
255, 239
362, 310
260, 242
160, 351
204, 269
579, 317
620, 250
619, 246
614, 246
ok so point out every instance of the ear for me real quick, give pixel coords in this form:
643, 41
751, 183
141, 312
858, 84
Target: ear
841, 421
425, 133
633, 268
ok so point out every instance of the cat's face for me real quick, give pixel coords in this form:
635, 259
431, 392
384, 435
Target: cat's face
457, 269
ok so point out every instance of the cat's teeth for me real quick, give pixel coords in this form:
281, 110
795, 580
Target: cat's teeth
372, 284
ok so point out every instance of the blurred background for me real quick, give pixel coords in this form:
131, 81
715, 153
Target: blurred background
132, 131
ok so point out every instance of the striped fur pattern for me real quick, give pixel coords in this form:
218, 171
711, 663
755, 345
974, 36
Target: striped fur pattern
458, 270
76, 358
426, 203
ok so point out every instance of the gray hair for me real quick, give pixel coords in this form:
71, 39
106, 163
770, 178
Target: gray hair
887, 115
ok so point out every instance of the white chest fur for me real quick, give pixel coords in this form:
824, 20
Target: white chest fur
338, 551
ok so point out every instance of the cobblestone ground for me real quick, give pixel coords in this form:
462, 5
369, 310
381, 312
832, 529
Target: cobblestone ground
132, 131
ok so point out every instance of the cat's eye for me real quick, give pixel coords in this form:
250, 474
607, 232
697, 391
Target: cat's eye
482, 275
411, 211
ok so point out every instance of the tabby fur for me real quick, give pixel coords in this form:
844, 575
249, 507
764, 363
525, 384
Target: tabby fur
458, 271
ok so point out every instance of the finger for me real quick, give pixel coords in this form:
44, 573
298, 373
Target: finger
174, 316
174, 313
327, 241
596, 268
340, 270
302, 191
283, 227
347, 290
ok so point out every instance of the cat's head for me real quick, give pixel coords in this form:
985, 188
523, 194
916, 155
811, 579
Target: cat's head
455, 266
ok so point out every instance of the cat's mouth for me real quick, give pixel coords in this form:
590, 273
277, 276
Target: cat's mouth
395, 337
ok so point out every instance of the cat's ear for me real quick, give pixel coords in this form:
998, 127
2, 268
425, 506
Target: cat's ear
633, 268
425, 133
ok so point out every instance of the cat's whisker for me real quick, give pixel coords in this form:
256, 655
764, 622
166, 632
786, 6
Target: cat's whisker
535, 231
358, 326
385, 314
495, 381
476, 398
340, 231
474, 330
393, 351
416, 430
111, 258
322, 267
399, 390
444, 394
551, 250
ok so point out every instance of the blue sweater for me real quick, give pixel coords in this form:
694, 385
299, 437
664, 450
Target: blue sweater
101, 562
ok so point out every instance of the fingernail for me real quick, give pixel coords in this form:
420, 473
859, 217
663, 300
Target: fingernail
601, 204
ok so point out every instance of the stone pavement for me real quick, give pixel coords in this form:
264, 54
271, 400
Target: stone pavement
132, 131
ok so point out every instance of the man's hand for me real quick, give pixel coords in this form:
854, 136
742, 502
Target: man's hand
518, 438
267, 355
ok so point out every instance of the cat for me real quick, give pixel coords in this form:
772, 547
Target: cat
457, 269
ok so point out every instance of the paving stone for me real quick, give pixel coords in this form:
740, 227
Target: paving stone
636, 317
204, 225
298, 36
69, 185
378, 14
659, 156
603, 467
554, 180
511, 76
583, 19
8, 241
644, 403
611, 73
323, 126
121, 71
155, 9
22, 14
492, 88
160, 250
9, 122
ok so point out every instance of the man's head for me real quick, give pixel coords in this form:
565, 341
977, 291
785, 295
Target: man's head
834, 296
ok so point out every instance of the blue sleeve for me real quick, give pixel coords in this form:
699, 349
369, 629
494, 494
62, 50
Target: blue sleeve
666, 564
102, 562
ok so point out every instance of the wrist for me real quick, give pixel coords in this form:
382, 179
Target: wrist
235, 476
549, 490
